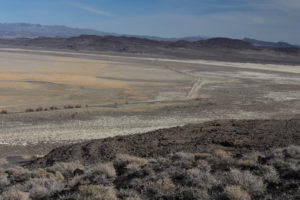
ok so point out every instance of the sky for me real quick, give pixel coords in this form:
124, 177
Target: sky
270, 20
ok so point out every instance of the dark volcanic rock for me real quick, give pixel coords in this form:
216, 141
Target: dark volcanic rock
238, 136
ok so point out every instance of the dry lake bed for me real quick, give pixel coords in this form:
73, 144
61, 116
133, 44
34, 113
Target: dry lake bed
124, 95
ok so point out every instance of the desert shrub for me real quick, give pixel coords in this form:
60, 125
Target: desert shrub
292, 152
201, 179
249, 182
202, 156
132, 168
38, 192
183, 160
133, 198
191, 193
100, 174
59, 176
42, 173
176, 176
203, 165
78, 106
42, 187
3, 161
18, 174
74, 181
53, 108
66, 168
249, 160
15, 194
269, 174
108, 169
29, 110
39, 109
4, 182
236, 193
221, 154
183, 156
162, 188
98, 192
128, 194
3, 112
165, 185
122, 161
68, 106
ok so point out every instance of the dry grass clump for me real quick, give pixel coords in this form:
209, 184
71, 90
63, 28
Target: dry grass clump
165, 186
222, 154
127, 159
98, 192
66, 169
4, 181
250, 160
207, 176
15, 194
270, 174
43, 187
236, 193
3, 161
249, 182
108, 169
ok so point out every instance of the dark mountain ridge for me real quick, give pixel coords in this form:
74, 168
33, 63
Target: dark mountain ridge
124, 43
224, 49
26, 30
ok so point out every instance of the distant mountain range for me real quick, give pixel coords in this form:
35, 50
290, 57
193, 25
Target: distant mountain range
25, 30
268, 44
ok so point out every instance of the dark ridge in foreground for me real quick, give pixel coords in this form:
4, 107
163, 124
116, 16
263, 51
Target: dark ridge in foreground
236, 136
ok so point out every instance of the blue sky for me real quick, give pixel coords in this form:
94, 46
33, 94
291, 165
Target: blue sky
272, 20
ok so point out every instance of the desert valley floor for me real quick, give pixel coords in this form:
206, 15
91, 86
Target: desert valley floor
121, 95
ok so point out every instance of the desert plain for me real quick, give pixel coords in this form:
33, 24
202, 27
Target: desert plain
120, 94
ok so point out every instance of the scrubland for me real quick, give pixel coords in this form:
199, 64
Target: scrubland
218, 174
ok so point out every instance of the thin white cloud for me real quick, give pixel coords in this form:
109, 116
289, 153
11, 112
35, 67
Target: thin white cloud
287, 4
283, 5
91, 10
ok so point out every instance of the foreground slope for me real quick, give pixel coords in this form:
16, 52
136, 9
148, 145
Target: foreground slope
223, 160
238, 136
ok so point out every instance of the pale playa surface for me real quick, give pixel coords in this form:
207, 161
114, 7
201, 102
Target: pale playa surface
149, 93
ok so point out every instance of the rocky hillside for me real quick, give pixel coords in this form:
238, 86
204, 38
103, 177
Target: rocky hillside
219, 160
237, 136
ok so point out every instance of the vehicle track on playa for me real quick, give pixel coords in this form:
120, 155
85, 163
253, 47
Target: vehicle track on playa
197, 85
